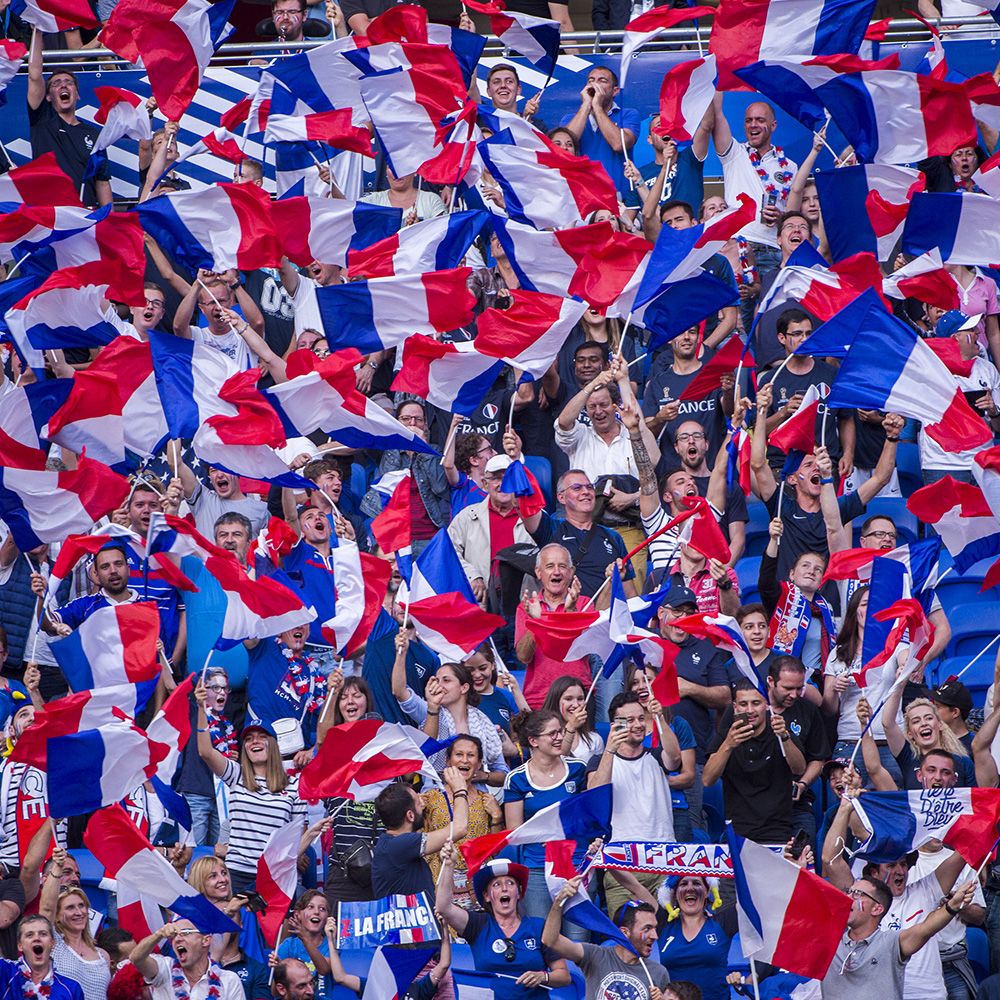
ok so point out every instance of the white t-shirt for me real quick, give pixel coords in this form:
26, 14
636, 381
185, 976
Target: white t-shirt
307, 315
428, 205
163, 987
642, 809
923, 978
229, 343
848, 727
927, 863
124, 328
740, 177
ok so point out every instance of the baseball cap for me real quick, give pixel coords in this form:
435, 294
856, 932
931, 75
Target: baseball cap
832, 765
953, 321
679, 595
498, 463
263, 727
953, 694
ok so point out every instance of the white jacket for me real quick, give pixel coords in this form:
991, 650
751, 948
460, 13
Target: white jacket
470, 533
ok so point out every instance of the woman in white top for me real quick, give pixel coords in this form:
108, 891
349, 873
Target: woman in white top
841, 693
75, 954
417, 205
568, 699
449, 708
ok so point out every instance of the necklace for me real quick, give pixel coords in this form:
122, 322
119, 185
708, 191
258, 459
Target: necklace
783, 175
29, 988
223, 734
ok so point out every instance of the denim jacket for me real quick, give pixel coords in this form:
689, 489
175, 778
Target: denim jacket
431, 483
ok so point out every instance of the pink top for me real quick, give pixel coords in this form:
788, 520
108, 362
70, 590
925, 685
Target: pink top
543, 670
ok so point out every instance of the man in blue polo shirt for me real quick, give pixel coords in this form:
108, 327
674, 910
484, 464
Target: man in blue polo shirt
604, 131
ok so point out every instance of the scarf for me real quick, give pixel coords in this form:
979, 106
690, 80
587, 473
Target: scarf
29, 988
792, 618
223, 735
783, 175
300, 682
180, 984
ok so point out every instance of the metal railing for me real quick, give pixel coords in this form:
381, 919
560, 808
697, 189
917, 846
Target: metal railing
905, 31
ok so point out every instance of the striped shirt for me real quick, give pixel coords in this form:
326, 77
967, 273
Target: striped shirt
665, 547
254, 815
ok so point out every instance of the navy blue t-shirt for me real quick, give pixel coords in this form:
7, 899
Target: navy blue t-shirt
519, 788
490, 950
380, 653
604, 547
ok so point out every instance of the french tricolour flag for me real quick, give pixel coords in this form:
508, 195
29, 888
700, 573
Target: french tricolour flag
918, 559
535, 38
382, 312
219, 227
122, 114
530, 333
798, 432
580, 817
114, 646
40, 182
277, 876
175, 40
685, 94
355, 614
11, 56
788, 916
129, 857
745, 31
890, 368
453, 377
965, 819
867, 206
433, 245
40, 506
962, 225
330, 230
322, 395
442, 605
361, 759
393, 970
332, 127
925, 278
55, 15
987, 176
219, 142
962, 517
650, 25
572, 635
547, 189
724, 633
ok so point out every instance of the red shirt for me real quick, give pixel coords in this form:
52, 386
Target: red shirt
420, 521
706, 590
501, 529
542, 670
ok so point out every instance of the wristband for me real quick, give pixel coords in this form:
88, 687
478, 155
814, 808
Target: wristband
827, 481
893, 439
949, 910
429, 712
726, 584
460, 794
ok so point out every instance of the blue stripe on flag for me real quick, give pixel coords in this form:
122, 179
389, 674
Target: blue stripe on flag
348, 319
172, 363
588, 814
886, 588
160, 219
843, 193
17, 518
932, 220
842, 26
744, 898
893, 826
847, 99
75, 765
73, 662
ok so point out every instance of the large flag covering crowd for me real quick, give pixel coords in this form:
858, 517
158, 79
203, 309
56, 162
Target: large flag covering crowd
493, 544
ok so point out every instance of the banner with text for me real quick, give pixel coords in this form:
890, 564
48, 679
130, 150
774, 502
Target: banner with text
392, 920
710, 860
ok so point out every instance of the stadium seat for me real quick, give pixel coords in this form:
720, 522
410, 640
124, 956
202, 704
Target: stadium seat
756, 540
908, 468
747, 572
954, 590
973, 625
907, 526
979, 951
977, 680
360, 480
541, 469
737, 963
715, 812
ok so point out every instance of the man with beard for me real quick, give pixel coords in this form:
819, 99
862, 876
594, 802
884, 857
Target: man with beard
398, 864
56, 129
192, 968
33, 974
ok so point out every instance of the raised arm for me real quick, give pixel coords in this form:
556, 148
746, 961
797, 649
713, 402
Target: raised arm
215, 761
836, 870
762, 475
459, 826
552, 936
649, 500
805, 169
451, 472
400, 689
870, 488
987, 775
914, 938
893, 734
838, 535
722, 134
36, 77
881, 779
444, 902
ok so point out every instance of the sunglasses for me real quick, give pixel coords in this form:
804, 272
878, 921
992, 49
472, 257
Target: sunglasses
510, 952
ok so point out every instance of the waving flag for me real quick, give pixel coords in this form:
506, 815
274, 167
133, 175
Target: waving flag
866, 206
433, 245
723, 362
122, 115
392, 528
360, 596
738, 463
273, 542
52, 16
724, 633
87, 709
322, 395
277, 877
332, 127
685, 95
535, 38
11, 56
547, 189
442, 605
72, 550
382, 312
580, 817
29, 227
116, 645
519, 482
911, 626
360, 760
41, 506
962, 517
959, 224
453, 377
788, 916
175, 40
570, 635
965, 819
219, 142
530, 333
40, 182
890, 368
393, 970
219, 227
129, 857
745, 31
646, 27
798, 432
926, 279
918, 559
329, 230
679, 253
255, 609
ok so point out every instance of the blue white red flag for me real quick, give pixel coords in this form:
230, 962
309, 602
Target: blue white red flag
382, 312
867, 205
175, 39
121, 114
392, 528
579, 908
453, 377
724, 633
11, 56
331, 127
277, 877
332, 230
52, 16
685, 95
322, 395
738, 461
39, 182
393, 970
129, 857
433, 245
442, 605
217, 228
355, 613
798, 432
927, 280
965, 819
116, 645
961, 516
580, 818
890, 368
535, 38
788, 916
646, 27
961, 225
919, 559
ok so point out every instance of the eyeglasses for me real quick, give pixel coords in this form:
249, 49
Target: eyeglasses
580, 488
487, 450
891, 535
286, 13
855, 893
218, 688
155, 304
414, 418
555, 733
510, 952
691, 436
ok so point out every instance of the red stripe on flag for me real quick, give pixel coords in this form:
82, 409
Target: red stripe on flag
736, 39
259, 244
139, 628
450, 304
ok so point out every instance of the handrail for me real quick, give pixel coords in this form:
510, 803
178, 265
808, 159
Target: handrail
901, 32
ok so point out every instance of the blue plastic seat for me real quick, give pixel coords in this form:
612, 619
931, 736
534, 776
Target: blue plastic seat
360, 480
908, 468
541, 469
979, 951
978, 678
756, 529
907, 526
748, 572
715, 812
955, 590
973, 625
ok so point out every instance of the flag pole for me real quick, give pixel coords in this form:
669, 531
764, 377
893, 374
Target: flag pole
452, 434
982, 652
277, 945
781, 498
204, 669
657, 719
822, 427
13, 270
218, 303
652, 985
753, 976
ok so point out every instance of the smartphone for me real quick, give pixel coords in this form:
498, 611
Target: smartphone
971, 397
772, 199
256, 902
741, 717
799, 844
